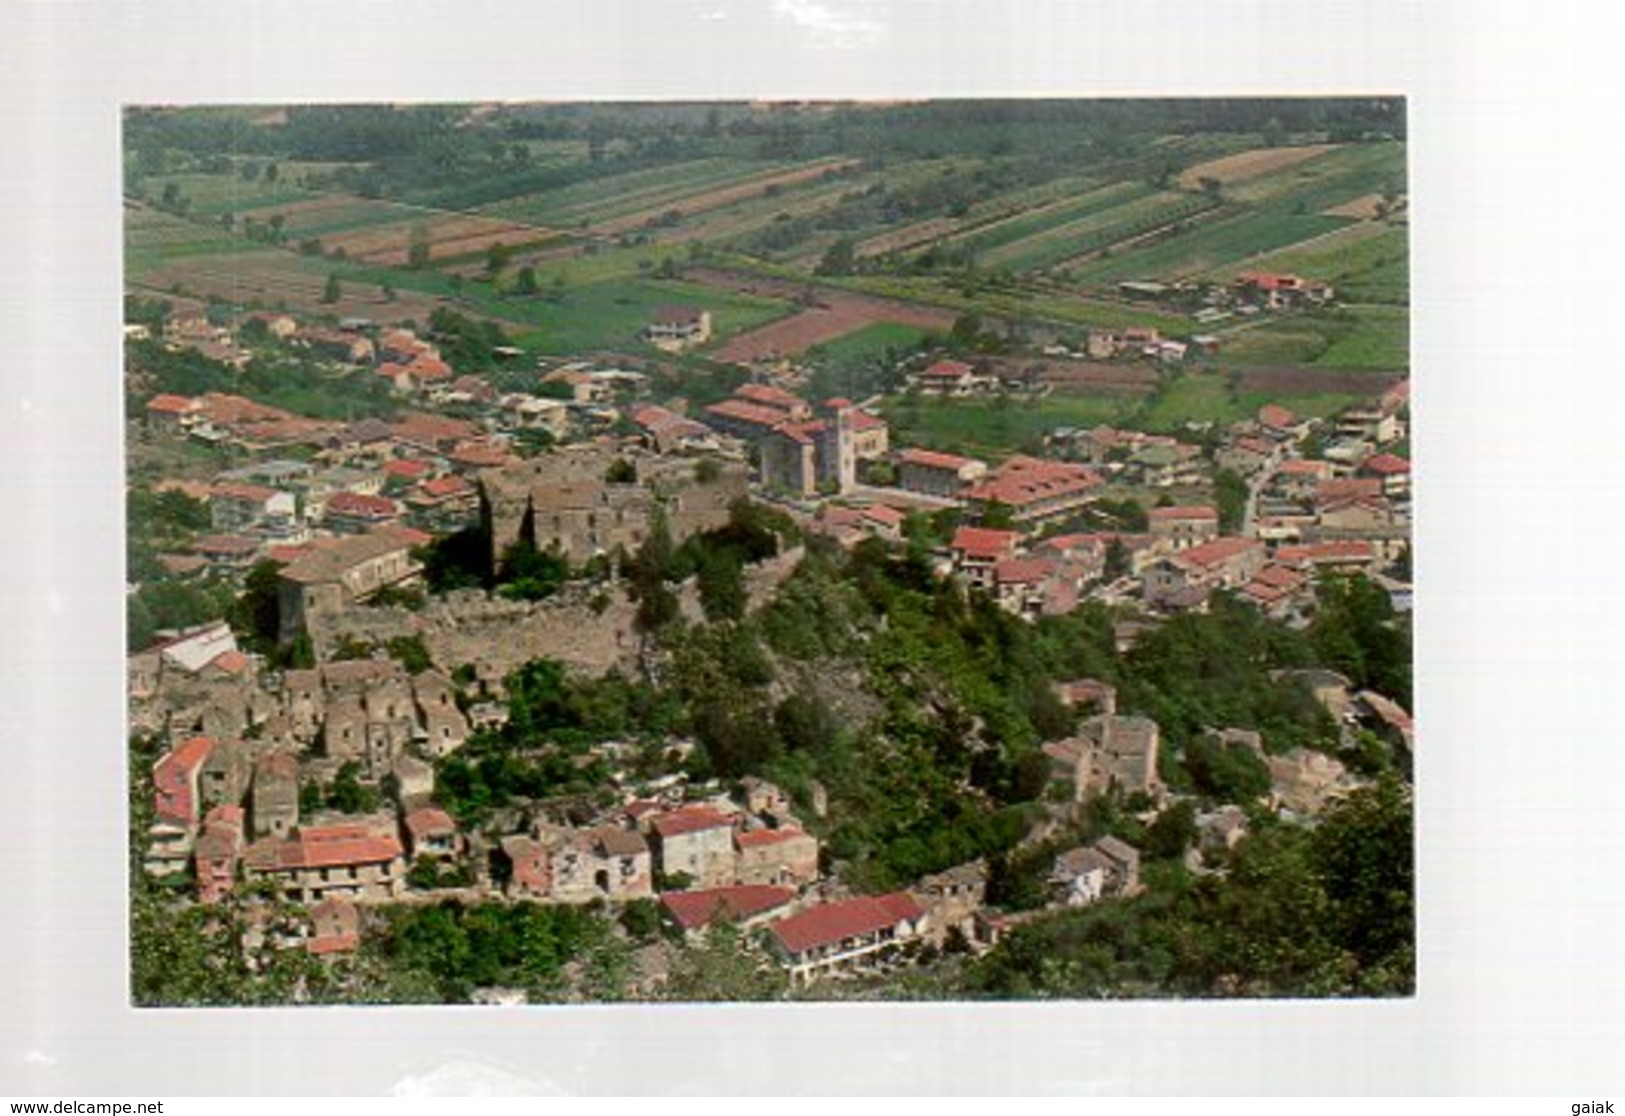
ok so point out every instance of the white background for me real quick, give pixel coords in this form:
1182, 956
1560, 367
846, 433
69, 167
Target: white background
1515, 194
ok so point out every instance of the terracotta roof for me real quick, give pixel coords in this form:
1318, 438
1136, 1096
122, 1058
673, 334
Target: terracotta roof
863, 420
694, 909
1347, 488
761, 838
1023, 571
984, 543
1189, 511
883, 514
931, 459
1302, 467
769, 396
410, 470
690, 819
1025, 480
446, 486
329, 846
1276, 416
837, 403
1217, 551
355, 503
949, 370
172, 404
742, 411
232, 662
427, 821
415, 426
1345, 550
1386, 465
832, 923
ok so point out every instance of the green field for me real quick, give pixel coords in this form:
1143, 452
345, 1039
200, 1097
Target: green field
1351, 336
998, 427
1364, 262
151, 238
213, 194
605, 199
869, 343
1097, 230
1032, 222
612, 315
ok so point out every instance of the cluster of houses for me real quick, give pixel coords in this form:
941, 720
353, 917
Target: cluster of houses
346, 516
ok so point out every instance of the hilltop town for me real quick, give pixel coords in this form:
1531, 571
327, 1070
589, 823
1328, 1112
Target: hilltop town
762, 625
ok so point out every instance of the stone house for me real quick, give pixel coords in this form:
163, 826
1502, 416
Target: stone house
218, 848
274, 801
344, 571
937, 474
360, 860
430, 831
335, 927
1110, 751
951, 900
1182, 527
696, 841
223, 778
1084, 875
787, 856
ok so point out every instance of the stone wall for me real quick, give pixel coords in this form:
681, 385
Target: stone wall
590, 631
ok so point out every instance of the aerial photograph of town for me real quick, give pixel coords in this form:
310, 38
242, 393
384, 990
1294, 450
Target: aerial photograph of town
928, 550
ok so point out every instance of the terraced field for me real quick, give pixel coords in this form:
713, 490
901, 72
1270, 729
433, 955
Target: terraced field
1098, 230
616, 196
210, 195
152, 238
1367, 262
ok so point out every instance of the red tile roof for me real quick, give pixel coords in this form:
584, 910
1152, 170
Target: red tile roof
356, 503
334, 845
1386, 465
232, 662
1277, 417
694, 909
863, 420
172, 404
880, 513
760, 838
1347, 488
1026, 480
1188, 511
691, 819
769, 396
1217, 551
429, 820
1299, 467
985, 543
1347, 550
410, 470
172, 779
447, 486
752, 413
832, 923
1023, 571
931, 459
948, 370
